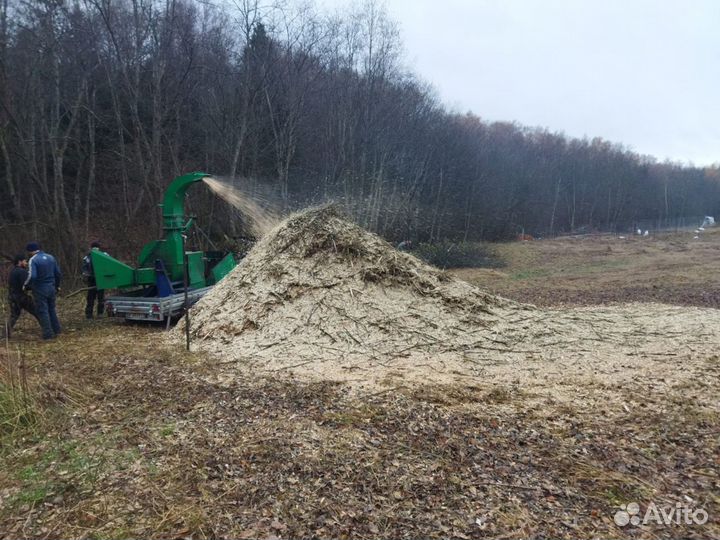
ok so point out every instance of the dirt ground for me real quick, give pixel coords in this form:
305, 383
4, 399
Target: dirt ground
108, 432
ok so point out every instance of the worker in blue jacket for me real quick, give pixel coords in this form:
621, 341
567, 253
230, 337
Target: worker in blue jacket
44, 281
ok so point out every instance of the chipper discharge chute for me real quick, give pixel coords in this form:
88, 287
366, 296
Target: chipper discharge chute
157, 285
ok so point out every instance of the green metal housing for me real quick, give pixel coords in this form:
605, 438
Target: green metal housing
204, 268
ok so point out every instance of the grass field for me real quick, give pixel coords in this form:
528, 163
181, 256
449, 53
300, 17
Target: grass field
590, 270
108, 432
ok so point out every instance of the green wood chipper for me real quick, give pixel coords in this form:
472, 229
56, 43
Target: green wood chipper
155, 290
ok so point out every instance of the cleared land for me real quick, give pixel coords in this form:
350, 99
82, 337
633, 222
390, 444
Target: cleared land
120, 435
591, 270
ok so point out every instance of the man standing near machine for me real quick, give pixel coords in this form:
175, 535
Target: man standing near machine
17, 297
93, 292
44, 279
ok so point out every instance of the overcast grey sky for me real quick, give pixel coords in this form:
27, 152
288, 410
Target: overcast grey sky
645, 73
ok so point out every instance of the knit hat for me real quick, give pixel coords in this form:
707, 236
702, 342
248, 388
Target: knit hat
32, 246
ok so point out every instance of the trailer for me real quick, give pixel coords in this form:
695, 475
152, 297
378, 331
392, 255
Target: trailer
152, 309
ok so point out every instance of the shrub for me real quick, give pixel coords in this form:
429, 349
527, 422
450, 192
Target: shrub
458, 255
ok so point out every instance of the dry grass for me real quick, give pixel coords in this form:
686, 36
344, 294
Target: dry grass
19, 409
589, 270
133, 439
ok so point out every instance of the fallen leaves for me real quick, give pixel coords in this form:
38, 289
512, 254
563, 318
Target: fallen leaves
175, 455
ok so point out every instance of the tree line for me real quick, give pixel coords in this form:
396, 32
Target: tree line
103, 102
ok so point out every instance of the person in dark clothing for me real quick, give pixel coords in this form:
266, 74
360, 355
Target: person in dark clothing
405, 245
93, 292
17, 298
44, 280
